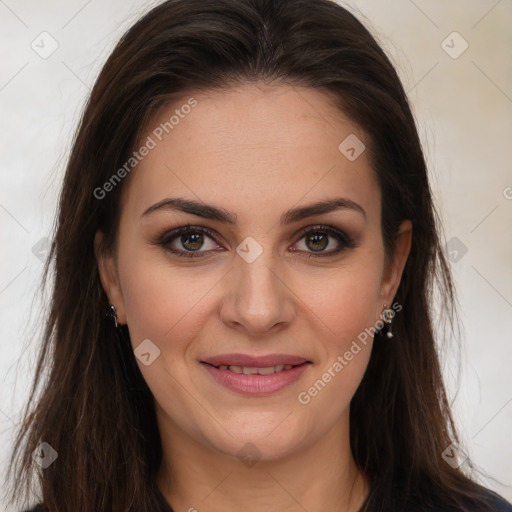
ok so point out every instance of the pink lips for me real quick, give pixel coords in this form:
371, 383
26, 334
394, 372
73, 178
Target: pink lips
255, 384
254, 361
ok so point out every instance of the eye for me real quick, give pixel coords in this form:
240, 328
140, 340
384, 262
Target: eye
187, 241
317, 240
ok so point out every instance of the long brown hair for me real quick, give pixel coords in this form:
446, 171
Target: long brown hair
95, 408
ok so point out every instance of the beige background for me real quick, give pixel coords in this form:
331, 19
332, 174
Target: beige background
463, 109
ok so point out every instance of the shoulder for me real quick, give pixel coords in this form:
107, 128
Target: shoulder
38, 508
500, 503
496, 503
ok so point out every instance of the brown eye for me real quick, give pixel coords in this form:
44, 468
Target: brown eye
192, 242
187, 240
317, 242
320, 238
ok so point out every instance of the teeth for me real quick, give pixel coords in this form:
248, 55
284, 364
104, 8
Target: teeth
247, 370
265, 371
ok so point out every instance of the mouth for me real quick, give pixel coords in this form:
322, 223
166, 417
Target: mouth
256, 375
257, 370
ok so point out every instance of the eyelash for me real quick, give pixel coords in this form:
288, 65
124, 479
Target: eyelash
169, 237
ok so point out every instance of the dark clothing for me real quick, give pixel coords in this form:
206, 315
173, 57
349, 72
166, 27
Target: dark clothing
499, 505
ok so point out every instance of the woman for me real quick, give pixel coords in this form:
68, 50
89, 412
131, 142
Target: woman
244, 256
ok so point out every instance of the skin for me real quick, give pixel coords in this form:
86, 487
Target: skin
256, 151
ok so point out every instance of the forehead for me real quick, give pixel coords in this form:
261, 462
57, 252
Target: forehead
251, 147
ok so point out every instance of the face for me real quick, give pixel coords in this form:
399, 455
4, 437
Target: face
257, 274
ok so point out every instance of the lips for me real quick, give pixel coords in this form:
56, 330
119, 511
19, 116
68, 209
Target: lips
256, 375
248, 361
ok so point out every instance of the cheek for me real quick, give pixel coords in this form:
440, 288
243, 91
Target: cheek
168, 307
162, 303
345, 301
348, 311
345, 312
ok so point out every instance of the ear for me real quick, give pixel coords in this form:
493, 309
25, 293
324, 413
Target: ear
393, 271
109, 277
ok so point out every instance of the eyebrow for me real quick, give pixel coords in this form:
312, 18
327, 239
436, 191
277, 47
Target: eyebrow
211, 212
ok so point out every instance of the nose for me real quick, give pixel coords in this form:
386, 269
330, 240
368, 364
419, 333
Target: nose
258, 299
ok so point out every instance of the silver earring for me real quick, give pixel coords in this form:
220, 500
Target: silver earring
111, 313
387, 315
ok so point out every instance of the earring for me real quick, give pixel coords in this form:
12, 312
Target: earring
387, 315
111, 313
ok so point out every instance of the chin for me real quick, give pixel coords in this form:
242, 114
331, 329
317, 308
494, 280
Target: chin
273, 442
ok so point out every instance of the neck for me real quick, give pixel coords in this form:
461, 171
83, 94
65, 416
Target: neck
322, 476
